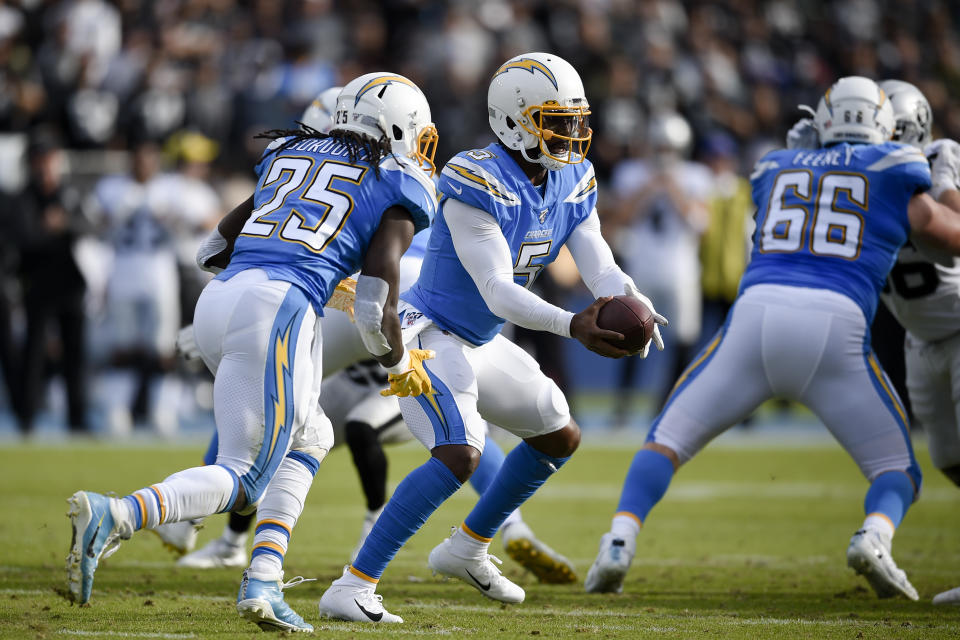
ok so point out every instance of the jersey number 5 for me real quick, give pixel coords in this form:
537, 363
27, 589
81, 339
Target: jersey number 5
294, 171
525, 271
835, 230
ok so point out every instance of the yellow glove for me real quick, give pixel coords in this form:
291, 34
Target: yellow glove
414, 381
343, 296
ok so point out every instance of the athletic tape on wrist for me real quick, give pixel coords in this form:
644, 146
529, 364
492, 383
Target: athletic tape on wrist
213, 244
368, 306
403, 364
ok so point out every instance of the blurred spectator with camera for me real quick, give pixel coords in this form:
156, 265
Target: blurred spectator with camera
661, 203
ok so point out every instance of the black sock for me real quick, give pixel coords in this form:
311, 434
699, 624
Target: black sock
370, 461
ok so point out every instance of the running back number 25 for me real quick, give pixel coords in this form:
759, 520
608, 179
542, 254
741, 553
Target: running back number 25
288, 175
836, 229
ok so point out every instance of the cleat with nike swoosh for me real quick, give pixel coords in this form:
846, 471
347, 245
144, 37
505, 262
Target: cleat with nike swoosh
479, 573
346, 601
95, 536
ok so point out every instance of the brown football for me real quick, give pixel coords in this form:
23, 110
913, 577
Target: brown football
627, 315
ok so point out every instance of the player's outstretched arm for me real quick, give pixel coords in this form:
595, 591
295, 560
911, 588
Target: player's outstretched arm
602, 275
485, 255
378, 287
934, 223
214, 252
375, 305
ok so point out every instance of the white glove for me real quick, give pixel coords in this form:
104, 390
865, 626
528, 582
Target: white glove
213, 244
187, 344
944, 156
803, 135
631, 290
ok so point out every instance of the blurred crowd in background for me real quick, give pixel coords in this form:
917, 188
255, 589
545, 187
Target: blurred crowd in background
127, 129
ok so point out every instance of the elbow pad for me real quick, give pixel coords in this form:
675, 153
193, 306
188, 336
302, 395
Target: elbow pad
368, 312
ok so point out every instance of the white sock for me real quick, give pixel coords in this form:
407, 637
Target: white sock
191, 493
233, 538
349, 579
881, 524
279, 510
465, 544
625, 527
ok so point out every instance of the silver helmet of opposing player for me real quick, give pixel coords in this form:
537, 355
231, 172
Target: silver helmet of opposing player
854, 109
319, 115
669, 131
387, 104
536, 103
911, 111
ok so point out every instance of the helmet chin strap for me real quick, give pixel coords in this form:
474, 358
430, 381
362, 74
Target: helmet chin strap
543, 160
523, 152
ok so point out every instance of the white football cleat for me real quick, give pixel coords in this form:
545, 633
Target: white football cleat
869, 555
365, 529
608, 571
479, 573
216, 554
546, 564
948, 597
179, 537
346, 601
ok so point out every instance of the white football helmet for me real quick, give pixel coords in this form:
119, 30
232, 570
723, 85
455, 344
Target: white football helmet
319, 115
911, 111
854, 109
387, 104
536, 101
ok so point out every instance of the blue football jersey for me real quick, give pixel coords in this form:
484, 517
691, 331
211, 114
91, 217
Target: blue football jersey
534, 225
315, 213
418, 246
834, 218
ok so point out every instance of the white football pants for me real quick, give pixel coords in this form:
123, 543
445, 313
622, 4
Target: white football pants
933, 382
498, 382
807, 345
261, 339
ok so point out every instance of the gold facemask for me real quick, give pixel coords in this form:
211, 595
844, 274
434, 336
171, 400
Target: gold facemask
426, 148
565, 128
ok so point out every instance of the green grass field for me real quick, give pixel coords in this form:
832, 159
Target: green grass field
749, 542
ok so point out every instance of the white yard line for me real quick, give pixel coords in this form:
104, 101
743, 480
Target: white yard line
386, 629
706, 491
123, 634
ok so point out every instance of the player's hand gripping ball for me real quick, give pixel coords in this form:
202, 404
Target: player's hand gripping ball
628, 316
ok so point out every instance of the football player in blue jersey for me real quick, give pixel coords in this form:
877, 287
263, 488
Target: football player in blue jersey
507, 210
325, 206
361, 417
830, 222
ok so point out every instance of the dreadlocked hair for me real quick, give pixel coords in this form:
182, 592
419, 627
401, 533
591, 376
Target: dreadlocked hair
359, 147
